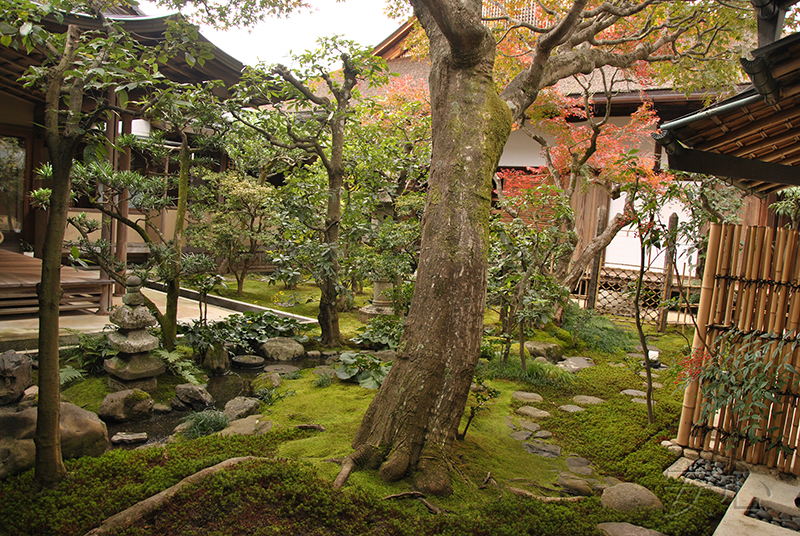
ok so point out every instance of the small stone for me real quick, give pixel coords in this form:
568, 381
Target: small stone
577, 486
586, 400
129, 438
161, 409
763, 514
528, 425
633, 392
527, 397
510, 423
790, 525
640, 401
522, 435
677, 450
532, 412
666, 443
241, 407
313, 354
643, 374
626, 529
705, 455
543, 434
691, 454
571, 408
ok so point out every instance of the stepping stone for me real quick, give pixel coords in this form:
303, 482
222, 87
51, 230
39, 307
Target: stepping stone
545, 450
575, 364
571, 408
626, 529
129, 438
527, 397
640, 400
635, 355
633, 392
529, 426
656, 385
510, 423
319, 371
575, 485
618, 365
281, 369
543, 434
643, 374
577, 461
532, 412
650, 346
587, 400
522, 435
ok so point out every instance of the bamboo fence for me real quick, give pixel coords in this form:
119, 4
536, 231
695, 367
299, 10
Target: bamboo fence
751, 286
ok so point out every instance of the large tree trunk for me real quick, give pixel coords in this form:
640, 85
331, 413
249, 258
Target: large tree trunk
412, 422
49, 467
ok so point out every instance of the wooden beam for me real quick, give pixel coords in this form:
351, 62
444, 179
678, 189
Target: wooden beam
736, 168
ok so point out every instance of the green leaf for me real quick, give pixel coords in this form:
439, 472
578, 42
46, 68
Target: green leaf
75, 252
190, 59
25, 29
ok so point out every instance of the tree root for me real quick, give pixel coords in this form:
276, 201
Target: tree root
432, 508
348, 464
144, 508
311, 427
542, 498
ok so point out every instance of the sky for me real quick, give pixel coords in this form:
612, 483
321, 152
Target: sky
361, 21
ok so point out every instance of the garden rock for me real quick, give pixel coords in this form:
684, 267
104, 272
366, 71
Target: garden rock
282, 349
543, 434
249, 362
249, 426
575, 485
640, 401
189, 396
241, 407
549, 350
15, 376
82, 434
579, 465
540, 448
216, 360
627, 496
575, 364
571, 408
586, 400
532, 412
386, 356
161, 409
128, 405
281, 369
626, 529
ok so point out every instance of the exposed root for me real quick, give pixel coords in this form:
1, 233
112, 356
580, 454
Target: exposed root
432, 508
144, 508
490, 480
311, 427
348, 464
535, 485
542, 498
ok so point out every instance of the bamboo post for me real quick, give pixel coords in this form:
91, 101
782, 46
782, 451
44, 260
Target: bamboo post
698, 344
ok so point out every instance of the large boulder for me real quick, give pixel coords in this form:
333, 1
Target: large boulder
189, 396
627, 496
282, 349
128, 405
548, 350
82, 434
15, 376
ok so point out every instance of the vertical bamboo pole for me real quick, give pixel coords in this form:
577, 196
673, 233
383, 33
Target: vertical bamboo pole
698, 344
790, 463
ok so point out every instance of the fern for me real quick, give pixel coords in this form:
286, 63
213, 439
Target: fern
70, 374
177, 363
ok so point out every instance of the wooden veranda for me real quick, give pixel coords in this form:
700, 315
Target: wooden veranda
19, 275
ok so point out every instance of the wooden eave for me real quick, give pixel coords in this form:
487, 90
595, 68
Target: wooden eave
752, 138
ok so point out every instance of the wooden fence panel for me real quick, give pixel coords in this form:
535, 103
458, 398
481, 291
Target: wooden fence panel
749, 307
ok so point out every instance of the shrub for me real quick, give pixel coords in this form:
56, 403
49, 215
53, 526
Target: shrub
205, 423
537, 374
597, 332
271, 396
246, 332
366, 369
90, 353
381, 333
179, 365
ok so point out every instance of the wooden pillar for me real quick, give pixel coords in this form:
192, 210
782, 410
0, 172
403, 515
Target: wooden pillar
669, 263
124, 164
597, 262
107, 227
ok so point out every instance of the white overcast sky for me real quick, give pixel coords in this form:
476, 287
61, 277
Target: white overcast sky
362, 21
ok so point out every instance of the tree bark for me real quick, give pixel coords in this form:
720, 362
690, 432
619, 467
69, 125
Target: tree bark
49, 467
412, 422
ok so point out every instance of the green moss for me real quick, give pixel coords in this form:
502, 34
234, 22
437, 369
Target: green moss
89, 393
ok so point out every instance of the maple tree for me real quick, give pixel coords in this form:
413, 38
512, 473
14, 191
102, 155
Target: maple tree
412, 422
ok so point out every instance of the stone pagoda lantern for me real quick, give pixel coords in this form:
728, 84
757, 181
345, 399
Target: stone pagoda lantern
133, 367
